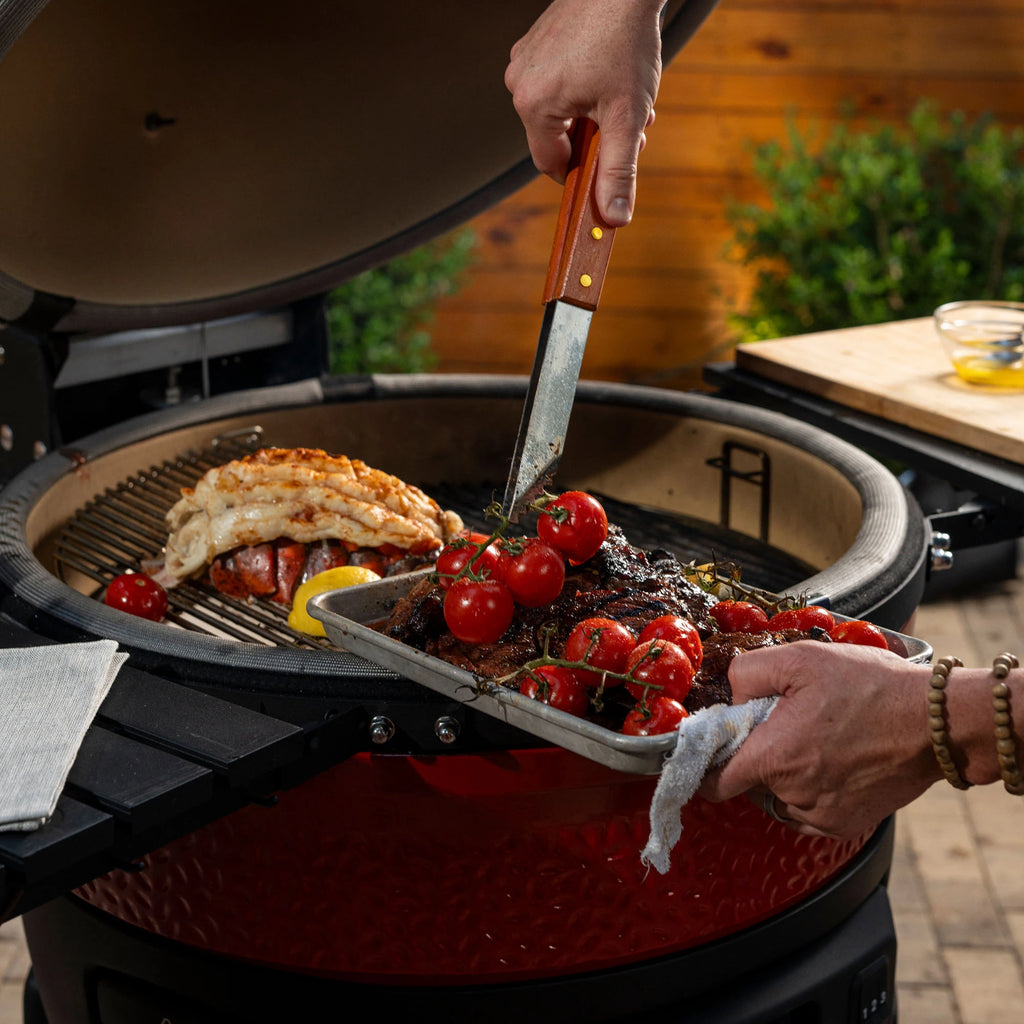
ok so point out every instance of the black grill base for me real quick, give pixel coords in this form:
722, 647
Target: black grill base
829, 960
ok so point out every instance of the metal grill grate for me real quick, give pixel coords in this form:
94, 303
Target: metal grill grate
124, 527
689, 539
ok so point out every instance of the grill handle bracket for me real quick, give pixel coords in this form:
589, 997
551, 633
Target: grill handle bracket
760, 477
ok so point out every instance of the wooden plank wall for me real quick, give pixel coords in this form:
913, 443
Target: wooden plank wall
752, 63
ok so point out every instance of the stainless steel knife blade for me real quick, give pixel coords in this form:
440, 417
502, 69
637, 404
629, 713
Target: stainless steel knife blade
579, 261
545, 421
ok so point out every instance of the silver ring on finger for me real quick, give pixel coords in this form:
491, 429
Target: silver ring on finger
770, 807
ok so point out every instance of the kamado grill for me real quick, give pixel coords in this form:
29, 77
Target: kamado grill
258, 822
474, 865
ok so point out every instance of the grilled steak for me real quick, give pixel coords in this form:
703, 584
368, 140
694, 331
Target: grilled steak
711, 684
620, 582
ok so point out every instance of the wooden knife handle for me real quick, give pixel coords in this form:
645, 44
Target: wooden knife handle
583, 241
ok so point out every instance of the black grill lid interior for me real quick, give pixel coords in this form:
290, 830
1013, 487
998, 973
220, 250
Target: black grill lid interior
178, 160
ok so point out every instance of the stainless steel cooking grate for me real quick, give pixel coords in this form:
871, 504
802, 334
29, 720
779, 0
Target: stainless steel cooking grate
122, 528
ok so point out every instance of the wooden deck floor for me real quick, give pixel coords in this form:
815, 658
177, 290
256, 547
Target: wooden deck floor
957, 888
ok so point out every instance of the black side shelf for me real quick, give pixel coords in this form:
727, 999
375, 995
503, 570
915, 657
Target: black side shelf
159, 761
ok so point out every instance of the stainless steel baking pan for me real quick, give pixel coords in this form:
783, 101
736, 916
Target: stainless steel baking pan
347, 616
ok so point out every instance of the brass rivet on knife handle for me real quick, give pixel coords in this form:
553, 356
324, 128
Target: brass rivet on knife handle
583, 241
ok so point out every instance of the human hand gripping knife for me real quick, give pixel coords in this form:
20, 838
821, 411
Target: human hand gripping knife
579, 261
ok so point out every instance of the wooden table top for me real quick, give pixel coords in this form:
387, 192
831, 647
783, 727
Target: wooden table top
899, 372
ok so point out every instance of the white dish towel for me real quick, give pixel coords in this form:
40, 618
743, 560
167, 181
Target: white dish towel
48, 698
707, 738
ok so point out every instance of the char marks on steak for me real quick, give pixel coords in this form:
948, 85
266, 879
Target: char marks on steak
620, 582
711, 683
634, 587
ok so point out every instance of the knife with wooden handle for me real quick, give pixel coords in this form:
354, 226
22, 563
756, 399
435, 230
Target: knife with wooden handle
579, 261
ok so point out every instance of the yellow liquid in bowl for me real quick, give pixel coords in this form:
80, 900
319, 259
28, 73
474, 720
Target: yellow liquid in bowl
984, 370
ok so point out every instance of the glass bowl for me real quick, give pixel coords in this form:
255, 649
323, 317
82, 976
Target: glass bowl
984, 340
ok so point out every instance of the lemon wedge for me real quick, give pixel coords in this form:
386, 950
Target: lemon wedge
329, 579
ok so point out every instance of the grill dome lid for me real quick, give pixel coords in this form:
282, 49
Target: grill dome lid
179, 160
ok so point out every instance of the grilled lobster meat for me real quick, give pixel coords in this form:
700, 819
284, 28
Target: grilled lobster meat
245, 514
276, 569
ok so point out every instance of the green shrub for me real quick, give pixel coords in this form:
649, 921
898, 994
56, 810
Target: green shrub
377, 322
881, 224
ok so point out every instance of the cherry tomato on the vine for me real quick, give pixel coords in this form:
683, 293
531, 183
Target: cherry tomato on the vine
532, 570
739, 617
680, 631
803, 618
858, 631
454, 556
137, 594
659, 666
603, 643
557, 687
478, 613
662, 714
575, 524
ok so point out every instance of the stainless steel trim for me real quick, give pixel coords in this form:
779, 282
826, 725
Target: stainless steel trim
347, 615
102, 356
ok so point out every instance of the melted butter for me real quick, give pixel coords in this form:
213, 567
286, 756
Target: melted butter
985, 370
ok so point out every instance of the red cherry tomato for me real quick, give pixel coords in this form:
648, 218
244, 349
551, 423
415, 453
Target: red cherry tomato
659, 666
453, 558
803, 618
533, 570
474, 536
680, 631
582, 529
603, 643
137, 594
557, 687
739, 617
663, 714
857, 631
478, 613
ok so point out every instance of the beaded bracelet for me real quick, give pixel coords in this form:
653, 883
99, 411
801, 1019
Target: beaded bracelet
937, 720
1006, 745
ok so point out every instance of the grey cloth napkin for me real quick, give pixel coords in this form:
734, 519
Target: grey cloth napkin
48, 698
708, 738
